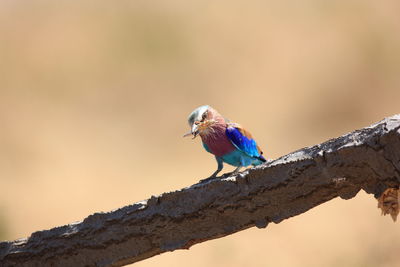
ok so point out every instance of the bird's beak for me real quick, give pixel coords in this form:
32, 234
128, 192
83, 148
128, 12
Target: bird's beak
194, 131
187, 134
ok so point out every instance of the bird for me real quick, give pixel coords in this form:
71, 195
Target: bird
229, 142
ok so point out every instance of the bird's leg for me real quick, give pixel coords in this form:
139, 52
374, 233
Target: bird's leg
214, 174
234, 172
220, 166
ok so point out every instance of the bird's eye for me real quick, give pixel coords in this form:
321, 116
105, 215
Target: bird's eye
204, 116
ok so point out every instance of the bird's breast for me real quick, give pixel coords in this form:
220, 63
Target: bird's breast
217, 141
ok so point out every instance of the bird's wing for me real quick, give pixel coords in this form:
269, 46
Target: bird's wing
243, 140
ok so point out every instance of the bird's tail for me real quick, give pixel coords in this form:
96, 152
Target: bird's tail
259, 160
261, 157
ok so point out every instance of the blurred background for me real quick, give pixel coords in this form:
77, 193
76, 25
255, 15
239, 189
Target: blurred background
94, 98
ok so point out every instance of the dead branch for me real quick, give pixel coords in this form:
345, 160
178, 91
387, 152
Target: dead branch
367, 159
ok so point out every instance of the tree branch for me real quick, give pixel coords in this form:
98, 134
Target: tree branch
367, 159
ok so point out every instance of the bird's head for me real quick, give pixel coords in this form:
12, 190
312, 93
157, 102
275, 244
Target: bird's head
200, 120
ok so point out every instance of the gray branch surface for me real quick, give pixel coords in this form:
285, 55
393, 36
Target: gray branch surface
367, 159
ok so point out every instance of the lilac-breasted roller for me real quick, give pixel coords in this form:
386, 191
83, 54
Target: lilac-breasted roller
229, 142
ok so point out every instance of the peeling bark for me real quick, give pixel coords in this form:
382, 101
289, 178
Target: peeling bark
367, 159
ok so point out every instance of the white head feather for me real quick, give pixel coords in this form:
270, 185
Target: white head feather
197, 114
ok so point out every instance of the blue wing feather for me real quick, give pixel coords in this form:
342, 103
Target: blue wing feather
244, 143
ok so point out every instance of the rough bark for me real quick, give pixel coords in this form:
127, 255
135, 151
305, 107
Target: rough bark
367, 159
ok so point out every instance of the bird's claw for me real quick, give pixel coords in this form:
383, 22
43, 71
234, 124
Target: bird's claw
207, 179
229, 174
225, 175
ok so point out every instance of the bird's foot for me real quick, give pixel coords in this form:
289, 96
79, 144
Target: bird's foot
229, 174
225, 175
212, 177
207, 179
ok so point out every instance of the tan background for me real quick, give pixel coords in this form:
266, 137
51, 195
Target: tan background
94, 98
